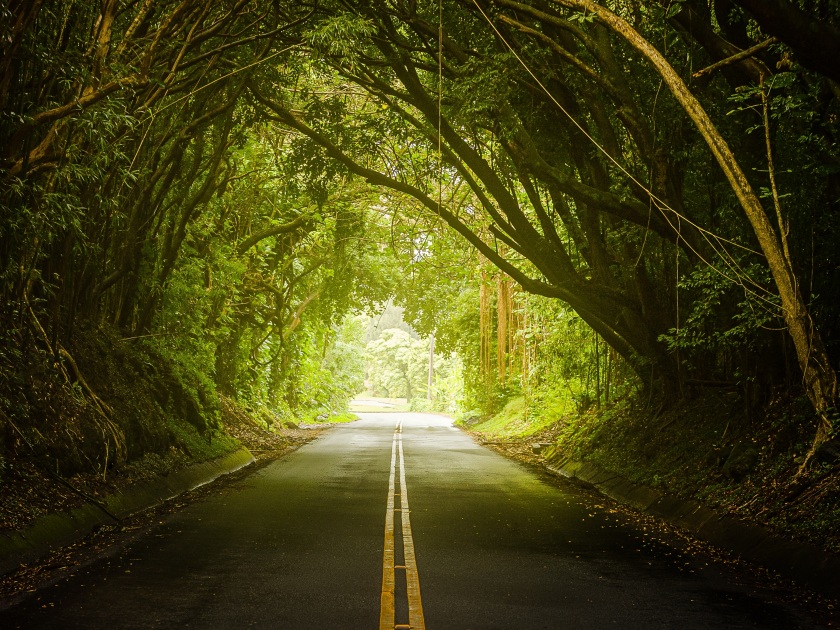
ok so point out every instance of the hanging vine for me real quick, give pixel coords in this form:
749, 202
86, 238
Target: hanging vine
485, 323
503, 313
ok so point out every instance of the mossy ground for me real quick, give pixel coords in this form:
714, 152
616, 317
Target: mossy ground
202, 447
709, 448
152, 417
333, 418
527, 416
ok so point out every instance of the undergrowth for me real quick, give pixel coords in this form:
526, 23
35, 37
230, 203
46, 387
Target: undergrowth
524, 416
201, 447
334, 418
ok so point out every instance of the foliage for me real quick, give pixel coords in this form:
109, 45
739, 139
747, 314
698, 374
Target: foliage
397, 364
230, 183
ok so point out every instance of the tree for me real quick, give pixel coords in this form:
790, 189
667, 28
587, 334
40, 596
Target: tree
228, 179
140, 191
819, 376
397, 364
515, 103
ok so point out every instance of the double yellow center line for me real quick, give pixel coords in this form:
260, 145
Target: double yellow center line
387, 614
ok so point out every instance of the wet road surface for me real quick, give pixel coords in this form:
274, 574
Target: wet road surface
299, 544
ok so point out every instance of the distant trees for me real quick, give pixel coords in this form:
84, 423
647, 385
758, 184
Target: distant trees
399, 365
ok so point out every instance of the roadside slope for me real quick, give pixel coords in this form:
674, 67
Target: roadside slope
704, 468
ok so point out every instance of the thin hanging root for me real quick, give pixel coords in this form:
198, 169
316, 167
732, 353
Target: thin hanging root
101, 405
37, 323
104, 411
484, 328
106, 425
104, 422
502, 324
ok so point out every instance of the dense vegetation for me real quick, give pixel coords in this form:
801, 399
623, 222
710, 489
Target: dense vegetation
584, 203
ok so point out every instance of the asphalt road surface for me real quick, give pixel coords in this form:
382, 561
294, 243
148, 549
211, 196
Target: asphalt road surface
304, 543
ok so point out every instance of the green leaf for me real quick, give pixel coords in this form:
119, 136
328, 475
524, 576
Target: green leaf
675, 8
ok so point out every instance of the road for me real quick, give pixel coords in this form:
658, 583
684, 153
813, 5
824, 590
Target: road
303, 543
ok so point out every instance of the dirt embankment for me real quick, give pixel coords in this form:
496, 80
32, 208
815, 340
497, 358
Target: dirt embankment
105, 414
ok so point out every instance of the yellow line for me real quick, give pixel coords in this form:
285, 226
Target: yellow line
412, 578
386, 608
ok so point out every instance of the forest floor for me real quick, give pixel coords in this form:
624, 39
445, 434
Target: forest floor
708, 450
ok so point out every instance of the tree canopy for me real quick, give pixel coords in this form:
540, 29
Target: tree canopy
229, 179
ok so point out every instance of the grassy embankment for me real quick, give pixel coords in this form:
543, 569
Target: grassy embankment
707, 449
